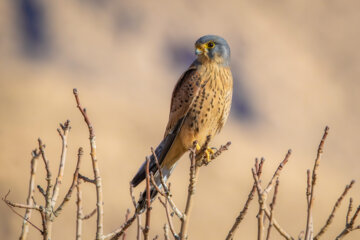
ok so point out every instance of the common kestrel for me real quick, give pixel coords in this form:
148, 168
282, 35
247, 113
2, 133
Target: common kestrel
200, 106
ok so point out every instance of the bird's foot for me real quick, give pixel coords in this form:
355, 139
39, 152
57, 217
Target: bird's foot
208, 153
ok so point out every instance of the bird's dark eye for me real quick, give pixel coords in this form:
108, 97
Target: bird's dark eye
211, 44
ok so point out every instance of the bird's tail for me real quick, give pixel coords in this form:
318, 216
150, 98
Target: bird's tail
141, 204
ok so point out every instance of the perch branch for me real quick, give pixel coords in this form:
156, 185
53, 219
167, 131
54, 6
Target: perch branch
194, 174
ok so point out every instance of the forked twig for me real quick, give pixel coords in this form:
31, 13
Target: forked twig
73, 184
271, 220
240, 217
332, 214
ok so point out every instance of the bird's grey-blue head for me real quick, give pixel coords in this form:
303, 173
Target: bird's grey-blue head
212, 48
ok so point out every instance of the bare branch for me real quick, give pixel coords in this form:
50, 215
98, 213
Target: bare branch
178, 213
168, 216
138, 229
166, 232
73, 184
95, 165
86, 179
65, 130
262, 196
332, 214
88, 216
240, 217
272, 209
277, 172
278, 226
11, 205
126, 219
41, 190
349, 211
79, 209
120, 231
194, 174
25, 226
148, 201
308, 231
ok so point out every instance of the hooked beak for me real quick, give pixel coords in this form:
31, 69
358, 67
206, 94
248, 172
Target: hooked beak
199, 49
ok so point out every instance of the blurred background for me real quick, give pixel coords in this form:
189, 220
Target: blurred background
295, 67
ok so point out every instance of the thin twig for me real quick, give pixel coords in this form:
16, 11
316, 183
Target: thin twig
194, 174
47, 214
79, 209
96, 170
41, 190
11, 205
261, 200
272, 209
262, 196
65, 130
350, 226
148, 202
73, 184
350, 208
308, 229
332, 214
138, 228
178, 213
169, 218
89, 215
240, 217
277, 172
120, 231
25, 226
126, 219
278, 227
86, 179
153, 183
166, 232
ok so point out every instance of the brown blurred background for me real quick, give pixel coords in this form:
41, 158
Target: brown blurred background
296, 69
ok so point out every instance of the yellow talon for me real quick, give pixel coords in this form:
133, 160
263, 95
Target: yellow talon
198, 147
208, 153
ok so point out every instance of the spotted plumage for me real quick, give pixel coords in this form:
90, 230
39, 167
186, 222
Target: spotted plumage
200, 106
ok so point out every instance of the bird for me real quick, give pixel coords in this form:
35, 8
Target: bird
200, 106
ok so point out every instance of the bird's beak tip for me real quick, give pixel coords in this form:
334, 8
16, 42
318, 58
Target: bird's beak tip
198, 51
